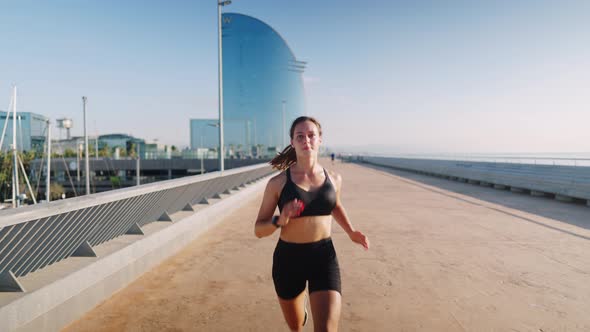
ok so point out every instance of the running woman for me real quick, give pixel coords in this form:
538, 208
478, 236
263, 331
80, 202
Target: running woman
308, 196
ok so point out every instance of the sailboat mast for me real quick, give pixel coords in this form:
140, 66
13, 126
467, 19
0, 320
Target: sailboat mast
15, 188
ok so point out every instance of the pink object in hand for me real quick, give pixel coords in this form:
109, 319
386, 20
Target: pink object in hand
301, 208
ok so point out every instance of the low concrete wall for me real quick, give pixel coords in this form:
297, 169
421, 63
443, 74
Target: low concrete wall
55, 305
561, 181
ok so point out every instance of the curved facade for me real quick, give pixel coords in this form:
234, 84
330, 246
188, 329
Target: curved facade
261, 78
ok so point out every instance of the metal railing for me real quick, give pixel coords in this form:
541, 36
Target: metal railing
36, 236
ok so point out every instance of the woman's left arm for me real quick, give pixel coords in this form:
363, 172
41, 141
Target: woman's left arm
339, 214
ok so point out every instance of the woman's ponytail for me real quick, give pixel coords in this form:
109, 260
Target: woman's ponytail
284, 159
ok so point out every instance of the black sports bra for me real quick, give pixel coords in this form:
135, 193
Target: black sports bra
320, 202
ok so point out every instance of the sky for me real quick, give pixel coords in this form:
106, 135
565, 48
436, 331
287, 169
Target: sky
382, 76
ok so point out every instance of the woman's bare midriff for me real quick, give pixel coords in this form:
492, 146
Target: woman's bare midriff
307, 229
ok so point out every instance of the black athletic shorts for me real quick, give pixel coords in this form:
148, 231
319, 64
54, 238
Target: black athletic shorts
294, 264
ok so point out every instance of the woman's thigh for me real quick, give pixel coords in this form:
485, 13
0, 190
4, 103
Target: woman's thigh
325, 307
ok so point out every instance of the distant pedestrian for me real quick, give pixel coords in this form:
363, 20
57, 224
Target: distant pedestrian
308, 196
332, 156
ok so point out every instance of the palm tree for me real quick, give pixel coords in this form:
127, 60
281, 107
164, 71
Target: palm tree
56, 191
132, 152
105, 151
6, 169
5, 174
69, 153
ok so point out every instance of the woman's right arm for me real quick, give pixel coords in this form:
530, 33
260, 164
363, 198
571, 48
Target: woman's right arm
264, 226
292, 209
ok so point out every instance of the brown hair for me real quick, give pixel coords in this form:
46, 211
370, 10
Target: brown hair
288, 156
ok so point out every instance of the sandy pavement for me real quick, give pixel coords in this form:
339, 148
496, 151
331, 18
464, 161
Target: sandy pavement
445, 256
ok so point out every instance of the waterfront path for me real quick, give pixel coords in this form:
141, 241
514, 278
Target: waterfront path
445, 256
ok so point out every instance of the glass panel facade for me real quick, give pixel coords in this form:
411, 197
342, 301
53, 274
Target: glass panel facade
204, 133
30, 131
262, 85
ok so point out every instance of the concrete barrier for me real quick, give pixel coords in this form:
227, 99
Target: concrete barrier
63, 291
565, 183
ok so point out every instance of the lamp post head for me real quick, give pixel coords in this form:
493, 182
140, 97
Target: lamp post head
224, 3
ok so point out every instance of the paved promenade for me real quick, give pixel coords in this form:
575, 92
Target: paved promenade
444, 256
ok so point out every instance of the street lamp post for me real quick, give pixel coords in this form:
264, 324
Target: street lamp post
217, 125
220, 79
48, 179
201, 155
137, 163
87, 161
248, 135
15, 181
284, 126
79, 148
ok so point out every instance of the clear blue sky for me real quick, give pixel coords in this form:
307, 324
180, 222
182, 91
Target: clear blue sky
389, 76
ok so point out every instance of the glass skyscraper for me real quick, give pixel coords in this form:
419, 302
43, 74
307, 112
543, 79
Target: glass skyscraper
262, 84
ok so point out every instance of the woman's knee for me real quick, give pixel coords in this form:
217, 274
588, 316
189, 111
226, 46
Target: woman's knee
294, 312
295, 327
294, 322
